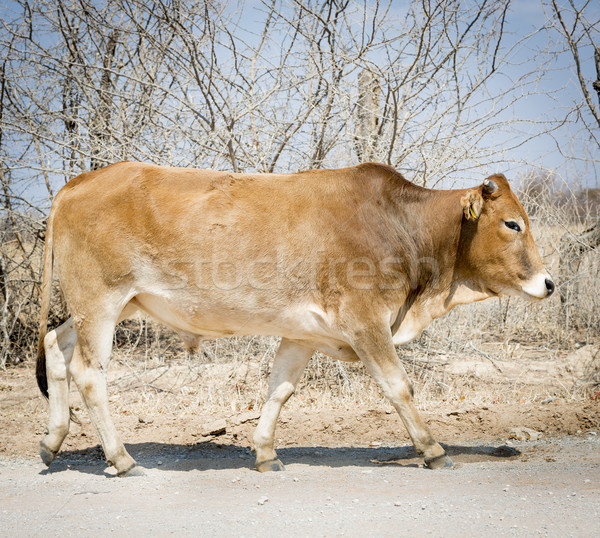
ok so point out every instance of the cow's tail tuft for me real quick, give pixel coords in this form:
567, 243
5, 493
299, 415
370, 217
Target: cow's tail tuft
40, 370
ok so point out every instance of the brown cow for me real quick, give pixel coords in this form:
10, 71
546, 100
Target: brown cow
347, 262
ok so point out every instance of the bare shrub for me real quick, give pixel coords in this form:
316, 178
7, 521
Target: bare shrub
84, 84
20, 252
567, 219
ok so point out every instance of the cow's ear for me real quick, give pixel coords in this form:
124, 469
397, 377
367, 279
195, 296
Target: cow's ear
472, 203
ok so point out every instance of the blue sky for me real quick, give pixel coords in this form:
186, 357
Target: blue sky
540, 50
559, 93
568, 150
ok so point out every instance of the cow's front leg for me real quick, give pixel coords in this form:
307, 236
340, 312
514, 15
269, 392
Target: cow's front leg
375, 348
290, 361
59, 345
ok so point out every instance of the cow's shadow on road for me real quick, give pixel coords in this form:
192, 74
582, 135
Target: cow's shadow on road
212, 455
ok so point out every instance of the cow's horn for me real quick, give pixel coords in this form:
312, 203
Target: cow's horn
489, 186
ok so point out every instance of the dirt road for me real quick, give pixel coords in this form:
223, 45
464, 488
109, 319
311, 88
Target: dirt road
350, 468
542, 488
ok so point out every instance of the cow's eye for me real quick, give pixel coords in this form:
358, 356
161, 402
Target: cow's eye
512, 225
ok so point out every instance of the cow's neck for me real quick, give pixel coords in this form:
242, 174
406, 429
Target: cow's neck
441, 218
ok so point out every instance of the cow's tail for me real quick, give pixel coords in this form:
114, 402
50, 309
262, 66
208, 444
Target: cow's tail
40, 370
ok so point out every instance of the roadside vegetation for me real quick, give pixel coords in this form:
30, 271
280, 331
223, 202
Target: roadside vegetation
310, 84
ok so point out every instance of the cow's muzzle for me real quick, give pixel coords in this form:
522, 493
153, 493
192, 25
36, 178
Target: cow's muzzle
538, 287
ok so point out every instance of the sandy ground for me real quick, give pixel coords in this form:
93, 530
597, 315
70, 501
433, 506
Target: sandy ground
535, 488
525, 467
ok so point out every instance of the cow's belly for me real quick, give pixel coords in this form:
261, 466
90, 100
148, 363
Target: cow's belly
296, 322
307, 323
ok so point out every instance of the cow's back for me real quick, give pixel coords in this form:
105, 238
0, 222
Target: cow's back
144, 208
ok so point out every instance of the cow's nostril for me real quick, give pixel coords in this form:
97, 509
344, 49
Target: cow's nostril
549, 286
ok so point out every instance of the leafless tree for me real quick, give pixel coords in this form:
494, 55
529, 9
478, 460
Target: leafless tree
243, 86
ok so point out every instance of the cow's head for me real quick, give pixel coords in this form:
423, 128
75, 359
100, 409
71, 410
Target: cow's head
497, 249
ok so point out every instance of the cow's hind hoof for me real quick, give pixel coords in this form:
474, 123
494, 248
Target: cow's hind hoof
136, 470
439, 462
270, 465
46, 454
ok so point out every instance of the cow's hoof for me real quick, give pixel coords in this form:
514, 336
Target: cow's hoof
46, 454
439, 462
135, 470
270, 465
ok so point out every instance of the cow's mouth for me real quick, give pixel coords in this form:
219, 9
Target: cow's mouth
525, 291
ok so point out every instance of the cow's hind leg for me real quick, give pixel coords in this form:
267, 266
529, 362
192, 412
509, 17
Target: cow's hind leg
90, 359
59, 345
375, 348
290, 361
